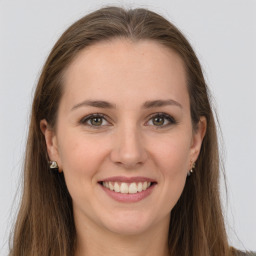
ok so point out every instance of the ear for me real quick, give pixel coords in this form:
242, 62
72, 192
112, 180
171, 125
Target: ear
197, 139
51, 142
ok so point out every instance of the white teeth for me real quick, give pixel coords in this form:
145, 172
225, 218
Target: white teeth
116, 187
106, 184
125, 188
139, 187
144, 185
133, 188
111, 186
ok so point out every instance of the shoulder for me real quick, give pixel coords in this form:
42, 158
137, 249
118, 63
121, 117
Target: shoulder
240, 253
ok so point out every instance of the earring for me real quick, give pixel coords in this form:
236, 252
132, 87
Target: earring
191, 170
54, 166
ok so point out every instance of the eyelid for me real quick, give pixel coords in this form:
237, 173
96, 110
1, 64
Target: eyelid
84, 120
168, 117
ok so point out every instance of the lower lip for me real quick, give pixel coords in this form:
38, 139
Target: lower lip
129, 198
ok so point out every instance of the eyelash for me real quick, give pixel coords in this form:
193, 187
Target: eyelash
169, 118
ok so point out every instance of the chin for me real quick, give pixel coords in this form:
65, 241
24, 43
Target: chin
129, 223
128, 230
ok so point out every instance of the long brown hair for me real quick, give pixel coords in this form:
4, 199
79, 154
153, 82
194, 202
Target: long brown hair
45, 224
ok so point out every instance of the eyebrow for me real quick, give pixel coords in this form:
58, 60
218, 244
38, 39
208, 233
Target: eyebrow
108, 105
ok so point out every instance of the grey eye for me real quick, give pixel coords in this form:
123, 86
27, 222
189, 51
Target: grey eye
97, 121
94, 120
162, 120
158, 120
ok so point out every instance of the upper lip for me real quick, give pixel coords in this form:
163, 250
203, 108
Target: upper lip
128, 179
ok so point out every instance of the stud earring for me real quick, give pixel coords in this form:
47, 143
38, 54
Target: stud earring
54, 166
191, 170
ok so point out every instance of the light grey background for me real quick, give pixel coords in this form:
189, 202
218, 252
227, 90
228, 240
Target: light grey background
223, 34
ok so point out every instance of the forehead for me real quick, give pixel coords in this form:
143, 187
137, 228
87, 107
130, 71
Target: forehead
120, 69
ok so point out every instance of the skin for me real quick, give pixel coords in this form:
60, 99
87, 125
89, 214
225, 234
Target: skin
128, 142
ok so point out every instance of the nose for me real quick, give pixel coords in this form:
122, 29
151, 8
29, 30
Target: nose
128, 148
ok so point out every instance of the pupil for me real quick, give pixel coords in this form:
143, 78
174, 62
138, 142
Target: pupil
97, 121
158, 120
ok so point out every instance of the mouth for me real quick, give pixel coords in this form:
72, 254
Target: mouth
127, 187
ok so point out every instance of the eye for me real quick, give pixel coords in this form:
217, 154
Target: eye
161, 120
95, 120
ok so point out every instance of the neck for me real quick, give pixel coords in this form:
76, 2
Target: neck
95, 241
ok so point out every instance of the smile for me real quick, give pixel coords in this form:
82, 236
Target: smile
126, 188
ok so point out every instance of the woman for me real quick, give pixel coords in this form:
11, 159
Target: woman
122, 153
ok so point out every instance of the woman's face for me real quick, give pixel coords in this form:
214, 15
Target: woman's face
124, 136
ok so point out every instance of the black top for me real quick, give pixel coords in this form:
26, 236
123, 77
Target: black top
247, 254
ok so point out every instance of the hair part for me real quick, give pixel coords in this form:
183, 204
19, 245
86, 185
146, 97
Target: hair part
45, 224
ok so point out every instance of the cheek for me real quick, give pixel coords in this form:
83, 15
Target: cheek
173, 155
80, 157
174, 170
172, 158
